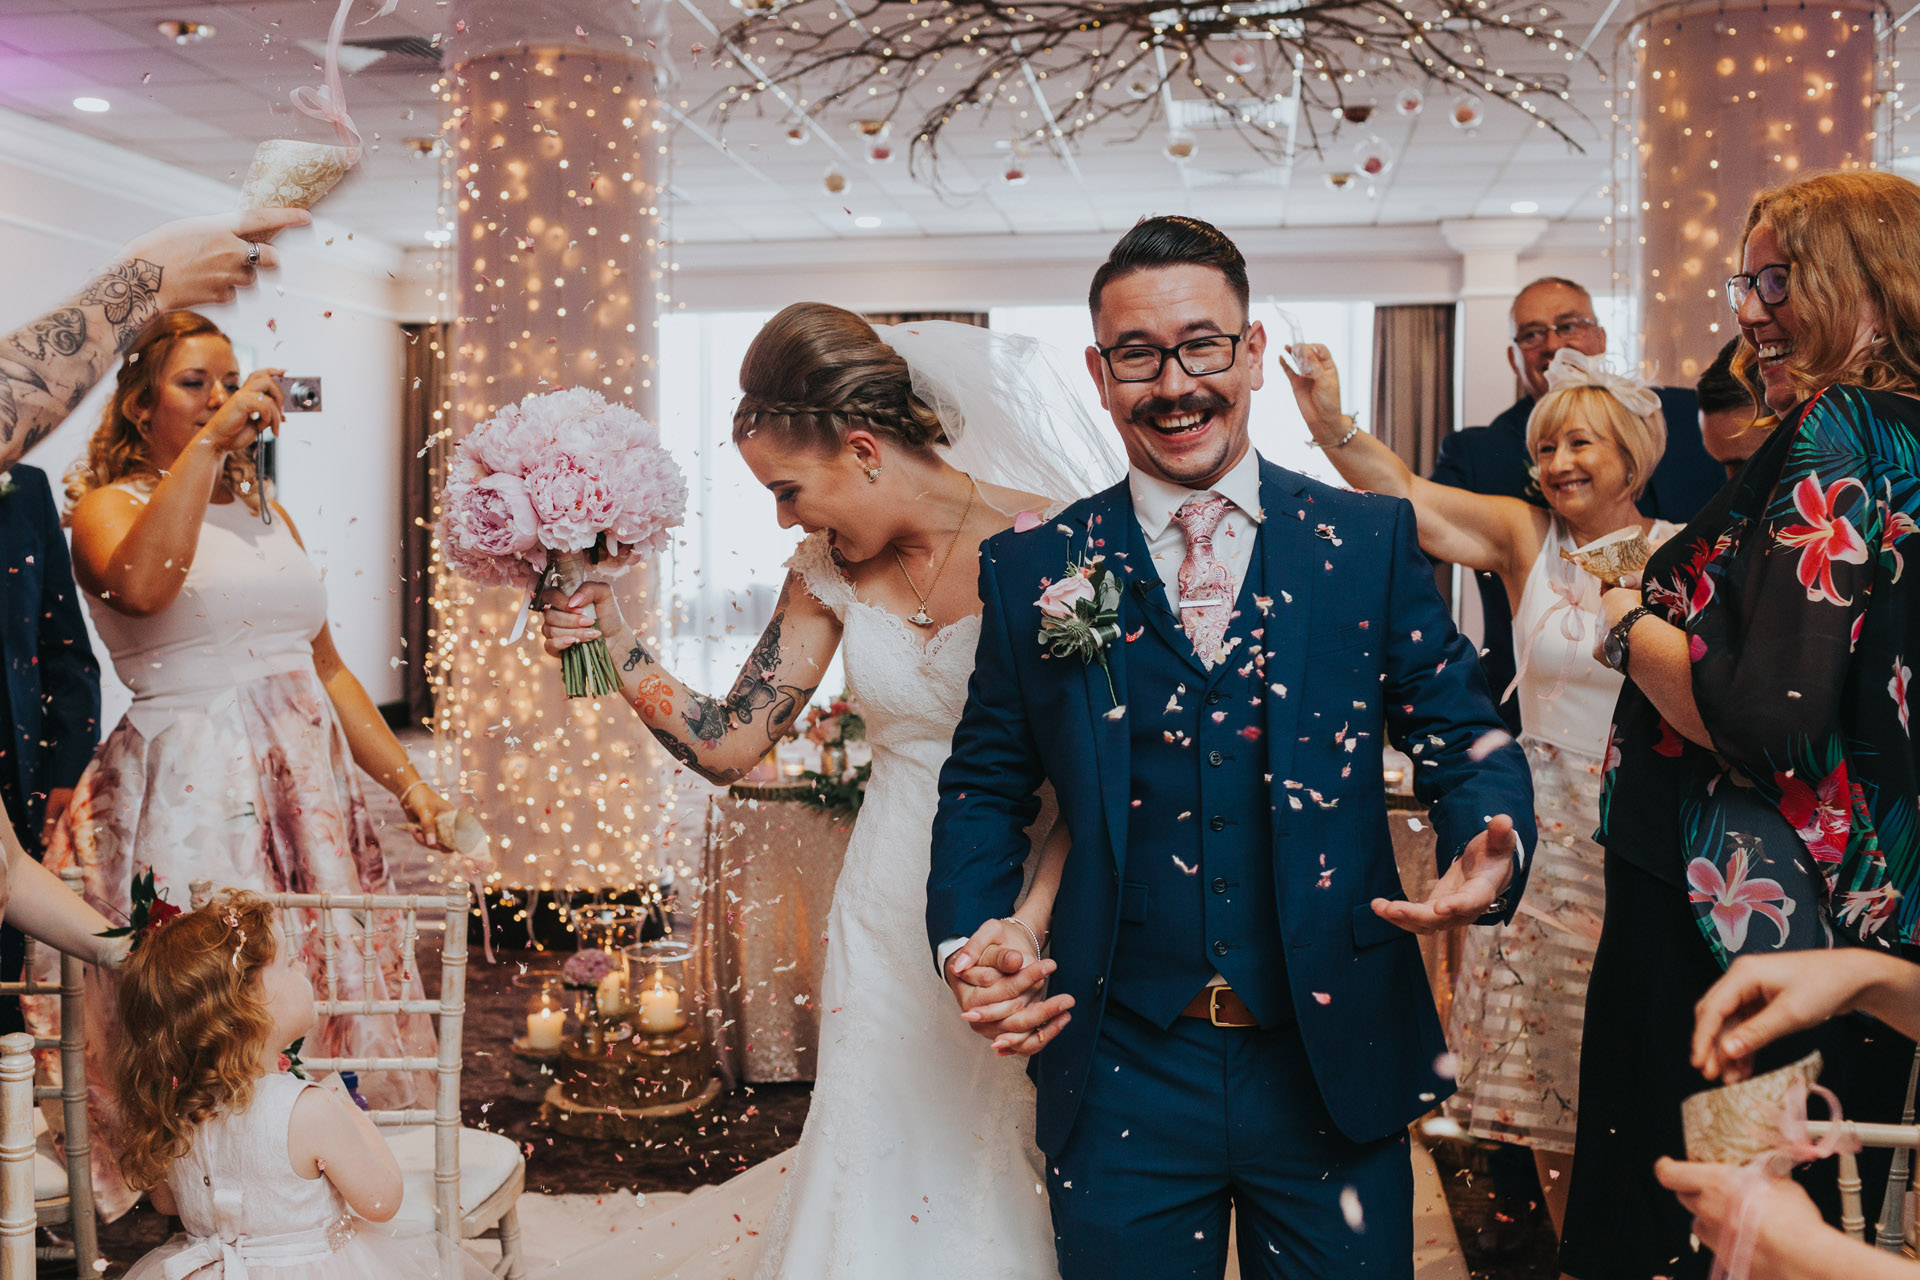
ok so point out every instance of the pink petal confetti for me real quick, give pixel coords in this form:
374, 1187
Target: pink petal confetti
1321, 997
1488, 743
1350, 1210
1025, 521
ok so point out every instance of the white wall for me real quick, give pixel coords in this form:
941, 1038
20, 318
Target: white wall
67, 203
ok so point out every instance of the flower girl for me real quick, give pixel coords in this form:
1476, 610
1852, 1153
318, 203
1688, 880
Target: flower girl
273, 1177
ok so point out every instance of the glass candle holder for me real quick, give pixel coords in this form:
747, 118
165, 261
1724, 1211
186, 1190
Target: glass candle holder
659, 986
546, 1018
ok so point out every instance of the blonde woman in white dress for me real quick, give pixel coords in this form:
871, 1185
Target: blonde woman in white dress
1520, 998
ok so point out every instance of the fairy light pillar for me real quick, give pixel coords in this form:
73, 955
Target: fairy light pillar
554, 149
1728, 100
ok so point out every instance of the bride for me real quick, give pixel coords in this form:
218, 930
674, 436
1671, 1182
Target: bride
898, 450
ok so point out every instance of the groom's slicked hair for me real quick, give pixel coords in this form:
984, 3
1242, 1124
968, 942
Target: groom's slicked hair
1172, 241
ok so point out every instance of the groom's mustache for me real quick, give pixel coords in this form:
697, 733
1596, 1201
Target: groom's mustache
1203, 402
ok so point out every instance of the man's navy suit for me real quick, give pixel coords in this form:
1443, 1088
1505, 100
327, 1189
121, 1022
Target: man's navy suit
1228, 821
1493, 459
52, 685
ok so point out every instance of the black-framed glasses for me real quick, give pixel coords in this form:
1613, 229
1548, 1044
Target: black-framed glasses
1200, 357
1536, 334
1770, 282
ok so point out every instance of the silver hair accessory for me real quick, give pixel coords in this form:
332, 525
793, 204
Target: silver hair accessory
1572, 368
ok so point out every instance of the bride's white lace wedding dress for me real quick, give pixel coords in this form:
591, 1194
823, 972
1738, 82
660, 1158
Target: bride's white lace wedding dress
917, 1159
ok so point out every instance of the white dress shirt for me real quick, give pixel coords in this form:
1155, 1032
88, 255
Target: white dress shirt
1155, 501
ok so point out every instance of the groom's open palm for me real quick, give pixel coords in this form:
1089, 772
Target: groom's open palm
1469, 889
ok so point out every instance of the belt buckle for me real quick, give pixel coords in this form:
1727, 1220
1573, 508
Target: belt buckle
1213, 1005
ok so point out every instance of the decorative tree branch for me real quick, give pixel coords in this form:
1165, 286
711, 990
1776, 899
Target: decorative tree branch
1104, 61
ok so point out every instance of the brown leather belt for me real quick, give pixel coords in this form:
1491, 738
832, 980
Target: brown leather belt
1219, 1006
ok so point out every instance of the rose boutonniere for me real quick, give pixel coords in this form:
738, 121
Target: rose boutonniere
1080, 615
290, 1060
149, 911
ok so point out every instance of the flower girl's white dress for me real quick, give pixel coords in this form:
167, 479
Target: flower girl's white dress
249, 1216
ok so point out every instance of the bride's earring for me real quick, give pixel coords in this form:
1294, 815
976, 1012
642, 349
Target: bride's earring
873, 475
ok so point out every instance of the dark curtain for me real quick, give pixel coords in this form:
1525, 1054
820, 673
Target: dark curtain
422, 397
1413, 389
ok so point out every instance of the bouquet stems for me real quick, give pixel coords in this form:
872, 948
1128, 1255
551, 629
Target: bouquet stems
586, 670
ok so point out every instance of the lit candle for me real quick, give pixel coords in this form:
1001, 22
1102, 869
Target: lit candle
660, 1008
546, 1028
611, 996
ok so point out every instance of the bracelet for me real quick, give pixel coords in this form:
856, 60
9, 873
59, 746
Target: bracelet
1343, 441
417, 782
1015, 920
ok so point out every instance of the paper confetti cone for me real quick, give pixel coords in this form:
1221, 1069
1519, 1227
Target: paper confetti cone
1742, 1121
290, 174
1613, 557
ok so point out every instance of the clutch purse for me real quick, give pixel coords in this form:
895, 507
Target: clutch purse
1741, 1122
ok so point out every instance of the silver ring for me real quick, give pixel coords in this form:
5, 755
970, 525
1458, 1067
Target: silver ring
253, 255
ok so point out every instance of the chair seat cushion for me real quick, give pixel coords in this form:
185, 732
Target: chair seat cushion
487, 1161
49, 1174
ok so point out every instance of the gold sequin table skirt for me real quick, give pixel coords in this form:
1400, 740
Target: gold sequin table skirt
767, 878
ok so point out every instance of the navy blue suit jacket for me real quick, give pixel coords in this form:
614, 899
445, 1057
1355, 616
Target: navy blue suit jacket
53, 681
1359, 647
1493, 459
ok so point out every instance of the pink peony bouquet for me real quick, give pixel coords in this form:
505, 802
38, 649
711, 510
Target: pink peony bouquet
545, 489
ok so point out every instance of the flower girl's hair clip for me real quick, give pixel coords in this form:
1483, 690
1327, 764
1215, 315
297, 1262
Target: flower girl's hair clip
148, 914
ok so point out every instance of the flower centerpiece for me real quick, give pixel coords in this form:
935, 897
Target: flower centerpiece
548, 488
831, 728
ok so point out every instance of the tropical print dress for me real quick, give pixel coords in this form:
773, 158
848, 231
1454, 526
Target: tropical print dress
1802, 614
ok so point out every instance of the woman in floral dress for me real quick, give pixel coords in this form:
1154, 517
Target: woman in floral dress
1765, 780
235, 763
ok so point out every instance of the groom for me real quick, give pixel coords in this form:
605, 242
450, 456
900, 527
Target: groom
1252, 1028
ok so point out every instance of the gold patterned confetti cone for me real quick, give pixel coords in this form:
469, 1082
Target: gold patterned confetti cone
1735, 1124
1613, 557
290, 174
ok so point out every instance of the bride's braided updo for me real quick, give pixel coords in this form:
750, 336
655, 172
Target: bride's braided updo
816, 372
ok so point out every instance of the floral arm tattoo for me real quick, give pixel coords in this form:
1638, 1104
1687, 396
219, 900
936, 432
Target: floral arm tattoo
690, 725
48, 366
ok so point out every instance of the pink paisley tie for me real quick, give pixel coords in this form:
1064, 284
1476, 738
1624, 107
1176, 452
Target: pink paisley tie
1203, 577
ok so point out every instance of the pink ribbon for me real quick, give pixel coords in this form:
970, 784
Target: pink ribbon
1573, 627
329, 101
1795, 1148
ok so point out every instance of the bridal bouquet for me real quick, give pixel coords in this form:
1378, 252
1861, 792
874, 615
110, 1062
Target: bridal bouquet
545, 489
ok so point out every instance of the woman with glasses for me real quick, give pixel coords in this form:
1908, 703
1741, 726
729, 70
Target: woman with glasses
1762, 797
1594, 439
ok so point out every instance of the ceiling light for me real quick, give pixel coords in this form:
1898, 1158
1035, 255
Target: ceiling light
1525, 206
866, 222
91, 104
185, 30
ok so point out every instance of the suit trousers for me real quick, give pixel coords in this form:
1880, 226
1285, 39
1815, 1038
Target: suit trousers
1180, 1128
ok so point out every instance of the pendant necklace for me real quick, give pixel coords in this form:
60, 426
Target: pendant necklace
922, 618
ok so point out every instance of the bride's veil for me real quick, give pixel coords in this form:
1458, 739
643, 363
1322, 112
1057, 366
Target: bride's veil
1010, 417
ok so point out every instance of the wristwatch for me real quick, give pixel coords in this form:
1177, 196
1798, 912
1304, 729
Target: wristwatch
1615, 646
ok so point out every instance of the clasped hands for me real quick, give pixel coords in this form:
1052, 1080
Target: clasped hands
1001, 990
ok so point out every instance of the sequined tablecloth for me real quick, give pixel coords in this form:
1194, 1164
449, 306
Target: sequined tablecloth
766, 882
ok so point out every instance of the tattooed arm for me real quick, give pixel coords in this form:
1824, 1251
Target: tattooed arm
718, 738
48, 366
